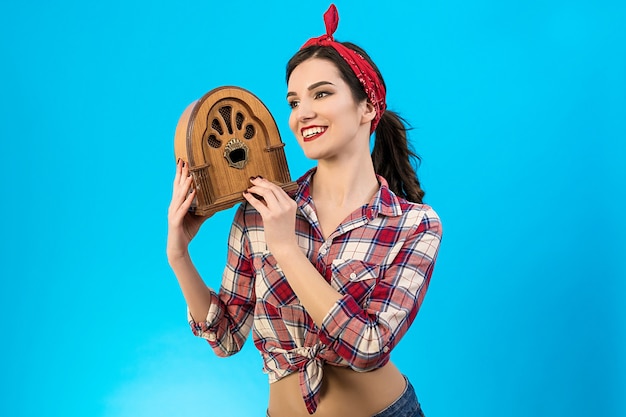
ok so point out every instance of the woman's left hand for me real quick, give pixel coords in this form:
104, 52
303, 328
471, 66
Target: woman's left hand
278, 211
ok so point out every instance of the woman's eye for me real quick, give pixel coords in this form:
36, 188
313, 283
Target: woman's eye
321, 94
293, 104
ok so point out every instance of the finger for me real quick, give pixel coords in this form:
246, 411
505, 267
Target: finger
177, 217
181, 186
281, 199
186, 188
181, 193
276, 189
265, 195
177, 174
184, 171
282, 196
256, 203
188, 201
269, 187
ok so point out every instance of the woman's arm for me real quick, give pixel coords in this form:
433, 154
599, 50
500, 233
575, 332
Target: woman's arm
182, 228
362, 336
365, 336
279, 215
223, 319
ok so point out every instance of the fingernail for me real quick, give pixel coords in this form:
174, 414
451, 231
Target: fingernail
253, 178
258, 176
178, 161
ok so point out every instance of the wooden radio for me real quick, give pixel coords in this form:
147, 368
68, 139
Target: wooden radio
226, 137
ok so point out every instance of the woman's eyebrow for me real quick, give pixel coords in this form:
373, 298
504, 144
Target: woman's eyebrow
317, 84
311, 87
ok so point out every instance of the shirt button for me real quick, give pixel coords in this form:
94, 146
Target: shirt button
352, 275
386, 349
323, 251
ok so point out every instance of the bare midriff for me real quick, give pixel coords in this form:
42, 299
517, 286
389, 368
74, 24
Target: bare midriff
344, 392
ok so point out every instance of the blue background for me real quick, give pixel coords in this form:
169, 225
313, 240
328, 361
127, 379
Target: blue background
519, 111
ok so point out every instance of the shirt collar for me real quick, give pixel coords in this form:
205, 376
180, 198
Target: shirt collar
384, 202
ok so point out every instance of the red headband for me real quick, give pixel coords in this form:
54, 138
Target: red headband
362, 69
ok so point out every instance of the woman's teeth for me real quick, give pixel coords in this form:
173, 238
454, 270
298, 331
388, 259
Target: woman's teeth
307, 133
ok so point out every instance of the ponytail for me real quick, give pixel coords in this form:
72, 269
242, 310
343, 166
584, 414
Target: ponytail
393, 158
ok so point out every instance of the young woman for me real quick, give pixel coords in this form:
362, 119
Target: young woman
329, 279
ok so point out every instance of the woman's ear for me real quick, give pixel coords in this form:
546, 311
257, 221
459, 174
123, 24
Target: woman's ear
369, 112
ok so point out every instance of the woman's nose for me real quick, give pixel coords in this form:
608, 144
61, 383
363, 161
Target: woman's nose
305, 111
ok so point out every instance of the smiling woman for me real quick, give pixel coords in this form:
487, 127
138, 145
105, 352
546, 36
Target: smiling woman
326, 113
332, 276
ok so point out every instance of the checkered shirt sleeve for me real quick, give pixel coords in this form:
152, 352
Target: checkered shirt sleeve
230, 316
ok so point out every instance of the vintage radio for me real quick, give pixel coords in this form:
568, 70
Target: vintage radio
226, 137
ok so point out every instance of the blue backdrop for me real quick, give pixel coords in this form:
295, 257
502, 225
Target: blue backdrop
519, 110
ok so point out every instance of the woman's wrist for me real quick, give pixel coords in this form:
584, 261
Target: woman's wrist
286, 252
178, 257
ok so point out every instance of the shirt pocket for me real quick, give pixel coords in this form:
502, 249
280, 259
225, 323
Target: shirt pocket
356, 278
271, 285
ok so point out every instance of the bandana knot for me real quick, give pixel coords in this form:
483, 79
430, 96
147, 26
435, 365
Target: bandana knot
362, 69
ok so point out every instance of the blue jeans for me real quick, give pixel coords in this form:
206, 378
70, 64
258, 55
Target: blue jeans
405, 406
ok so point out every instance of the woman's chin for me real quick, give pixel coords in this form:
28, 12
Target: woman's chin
316, 156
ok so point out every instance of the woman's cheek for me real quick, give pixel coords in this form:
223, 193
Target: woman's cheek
293, 129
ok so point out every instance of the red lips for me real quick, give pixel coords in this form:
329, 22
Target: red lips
311, 133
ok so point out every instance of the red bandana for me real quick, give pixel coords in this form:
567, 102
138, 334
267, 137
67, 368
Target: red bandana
362, 69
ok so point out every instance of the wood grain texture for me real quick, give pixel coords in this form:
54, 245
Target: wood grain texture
226, 137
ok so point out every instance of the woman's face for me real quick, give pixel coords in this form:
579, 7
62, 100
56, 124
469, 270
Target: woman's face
325, 119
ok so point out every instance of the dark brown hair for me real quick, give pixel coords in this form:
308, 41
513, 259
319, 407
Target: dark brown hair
392, 156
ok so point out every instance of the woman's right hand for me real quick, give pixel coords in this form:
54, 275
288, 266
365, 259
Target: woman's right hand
182, 225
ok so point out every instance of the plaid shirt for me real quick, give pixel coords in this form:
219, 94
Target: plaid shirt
380, 258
